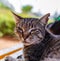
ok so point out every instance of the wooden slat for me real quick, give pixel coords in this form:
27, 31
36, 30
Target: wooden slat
11, 52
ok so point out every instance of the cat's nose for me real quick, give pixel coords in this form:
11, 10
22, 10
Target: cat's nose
40, 36
27, 42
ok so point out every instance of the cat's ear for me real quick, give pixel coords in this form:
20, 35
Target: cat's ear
17, 17
45, 19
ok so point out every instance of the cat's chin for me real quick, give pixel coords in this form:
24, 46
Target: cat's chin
26, 44
31, 43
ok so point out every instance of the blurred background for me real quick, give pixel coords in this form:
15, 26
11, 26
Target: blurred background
26, 8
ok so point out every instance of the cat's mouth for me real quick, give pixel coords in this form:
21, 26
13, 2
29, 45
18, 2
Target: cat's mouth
28, 43
55, 34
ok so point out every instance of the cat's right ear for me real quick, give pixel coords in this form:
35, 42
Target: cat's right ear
44, 19
17, 17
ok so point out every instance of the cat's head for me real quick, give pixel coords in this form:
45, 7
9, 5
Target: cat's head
32, 30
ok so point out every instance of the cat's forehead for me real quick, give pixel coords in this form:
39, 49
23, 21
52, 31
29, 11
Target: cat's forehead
29, 22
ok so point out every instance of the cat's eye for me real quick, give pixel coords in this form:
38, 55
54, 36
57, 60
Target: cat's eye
37, 31
32, 32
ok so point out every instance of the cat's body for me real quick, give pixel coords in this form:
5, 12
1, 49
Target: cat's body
53, 50
38, 43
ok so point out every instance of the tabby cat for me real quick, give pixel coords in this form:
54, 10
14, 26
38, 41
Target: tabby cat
41, 42
31, 32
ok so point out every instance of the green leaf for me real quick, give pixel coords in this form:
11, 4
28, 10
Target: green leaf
1, 34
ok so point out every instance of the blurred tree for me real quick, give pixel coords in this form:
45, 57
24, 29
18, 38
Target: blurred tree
26, 9
57, 18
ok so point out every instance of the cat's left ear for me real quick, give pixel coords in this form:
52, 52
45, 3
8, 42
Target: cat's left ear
17, 17
44, 19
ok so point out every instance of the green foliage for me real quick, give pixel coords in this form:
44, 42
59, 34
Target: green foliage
26, 9
57, 18
6, 27
7, 23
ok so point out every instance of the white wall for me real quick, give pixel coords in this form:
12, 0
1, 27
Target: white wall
43, 5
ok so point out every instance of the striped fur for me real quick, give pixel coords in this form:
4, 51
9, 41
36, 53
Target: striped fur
32, 30
53, 49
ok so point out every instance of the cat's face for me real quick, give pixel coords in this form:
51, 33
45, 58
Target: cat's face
32, 30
